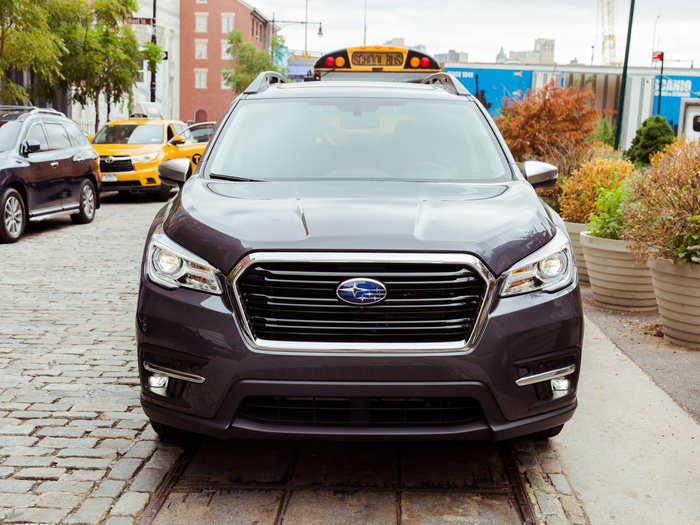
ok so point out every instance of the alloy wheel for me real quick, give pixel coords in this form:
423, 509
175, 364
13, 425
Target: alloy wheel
13, 216
87, 201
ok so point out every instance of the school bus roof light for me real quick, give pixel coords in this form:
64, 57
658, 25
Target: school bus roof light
340, 62
330, 61
415, 61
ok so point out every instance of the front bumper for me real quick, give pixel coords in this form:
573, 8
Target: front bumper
143, 178
199, 333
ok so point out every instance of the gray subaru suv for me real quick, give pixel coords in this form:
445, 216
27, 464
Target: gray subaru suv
358, 259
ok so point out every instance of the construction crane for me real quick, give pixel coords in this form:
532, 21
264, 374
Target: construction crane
606, 25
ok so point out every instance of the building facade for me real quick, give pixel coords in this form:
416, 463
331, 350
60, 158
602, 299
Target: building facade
204, 29
543, 53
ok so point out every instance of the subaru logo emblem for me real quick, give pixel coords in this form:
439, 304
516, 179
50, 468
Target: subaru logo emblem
361, 290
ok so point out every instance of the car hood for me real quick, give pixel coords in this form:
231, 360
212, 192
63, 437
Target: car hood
222, 221
121, 150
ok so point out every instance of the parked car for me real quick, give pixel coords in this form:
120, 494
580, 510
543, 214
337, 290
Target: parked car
358, 259
131, 151
47, 168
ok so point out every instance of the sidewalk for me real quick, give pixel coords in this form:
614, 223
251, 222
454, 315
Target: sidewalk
631, 453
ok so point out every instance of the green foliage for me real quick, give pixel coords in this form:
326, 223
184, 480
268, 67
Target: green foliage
608, 219
27, 44
686, 245
603, 132
153, 55
248, 61
652, 136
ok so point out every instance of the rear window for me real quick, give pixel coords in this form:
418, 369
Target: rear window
361, 138
130, 134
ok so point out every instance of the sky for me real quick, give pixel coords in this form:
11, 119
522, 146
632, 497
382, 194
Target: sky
481, 27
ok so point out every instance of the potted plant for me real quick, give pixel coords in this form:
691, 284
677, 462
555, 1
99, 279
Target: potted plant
578, 194
618, 280
664, 225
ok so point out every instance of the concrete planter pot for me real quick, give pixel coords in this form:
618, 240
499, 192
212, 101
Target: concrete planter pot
618, 281
677, 289
574, 229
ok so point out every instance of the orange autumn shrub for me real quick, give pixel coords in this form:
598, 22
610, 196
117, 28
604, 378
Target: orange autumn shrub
664, 217
579, 190
551, 124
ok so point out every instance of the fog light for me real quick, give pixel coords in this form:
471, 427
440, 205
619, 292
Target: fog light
158, 383
560, 387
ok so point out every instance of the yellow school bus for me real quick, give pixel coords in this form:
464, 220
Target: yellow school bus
397, 63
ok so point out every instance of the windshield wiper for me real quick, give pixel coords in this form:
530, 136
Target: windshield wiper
232, 177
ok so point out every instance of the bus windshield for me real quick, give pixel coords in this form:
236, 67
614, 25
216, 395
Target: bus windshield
358, 138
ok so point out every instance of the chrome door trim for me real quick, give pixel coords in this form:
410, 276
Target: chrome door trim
48, 213
546, 376
175, 374
364, 349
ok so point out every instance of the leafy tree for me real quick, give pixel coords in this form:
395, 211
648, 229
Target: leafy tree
26, 44
248, 61
551, 124
653, 135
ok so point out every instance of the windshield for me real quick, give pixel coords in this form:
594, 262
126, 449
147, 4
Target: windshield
8, 134
130, 134
359, 138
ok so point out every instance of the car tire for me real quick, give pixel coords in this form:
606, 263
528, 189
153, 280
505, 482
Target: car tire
13, 216
164, 192
169, 434
88, 204
546, 434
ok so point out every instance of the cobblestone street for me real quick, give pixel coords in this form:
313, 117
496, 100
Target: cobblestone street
75, 446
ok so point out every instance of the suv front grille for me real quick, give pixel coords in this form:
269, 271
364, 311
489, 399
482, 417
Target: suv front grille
349, 411
121, 164
425, 302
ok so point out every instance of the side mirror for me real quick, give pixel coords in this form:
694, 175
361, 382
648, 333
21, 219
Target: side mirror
696, 123
30, 146
177, 141
175, 170
540, 174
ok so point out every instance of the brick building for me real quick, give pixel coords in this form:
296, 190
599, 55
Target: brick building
204, 29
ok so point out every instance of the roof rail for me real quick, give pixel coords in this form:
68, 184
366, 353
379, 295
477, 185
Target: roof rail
447, 81
264, 80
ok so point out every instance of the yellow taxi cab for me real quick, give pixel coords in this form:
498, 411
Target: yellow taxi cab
131, 150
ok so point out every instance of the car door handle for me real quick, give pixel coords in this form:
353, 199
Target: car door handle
54, 164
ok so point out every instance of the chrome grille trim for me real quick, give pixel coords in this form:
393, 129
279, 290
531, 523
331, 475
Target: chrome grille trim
364, 349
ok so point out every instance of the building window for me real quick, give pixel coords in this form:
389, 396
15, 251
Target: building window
225, 55
200, 22
227, 21
224, 84
200, 79
200, 49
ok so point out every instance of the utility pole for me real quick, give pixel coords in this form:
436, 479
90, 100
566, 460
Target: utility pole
364, 40
153, 39
623, 86
306, 29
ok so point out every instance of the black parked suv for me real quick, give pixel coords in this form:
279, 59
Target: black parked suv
47, 168
358, 259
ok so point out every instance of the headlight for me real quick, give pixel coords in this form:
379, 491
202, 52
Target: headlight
548, 269
146, 157
172, 266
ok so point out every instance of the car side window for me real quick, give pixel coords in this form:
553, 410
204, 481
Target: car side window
36, 134
58, 138
179, 128
171, 133
76, 136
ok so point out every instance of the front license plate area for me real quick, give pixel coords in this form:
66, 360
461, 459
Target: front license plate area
109, 177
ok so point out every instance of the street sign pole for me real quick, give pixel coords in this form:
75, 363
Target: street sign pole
623, 86
153, 39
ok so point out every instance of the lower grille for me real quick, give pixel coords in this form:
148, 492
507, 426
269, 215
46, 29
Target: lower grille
350, 411
117, 165
425, 302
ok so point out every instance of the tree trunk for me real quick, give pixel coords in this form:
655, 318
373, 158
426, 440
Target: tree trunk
109, 105
97, 112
